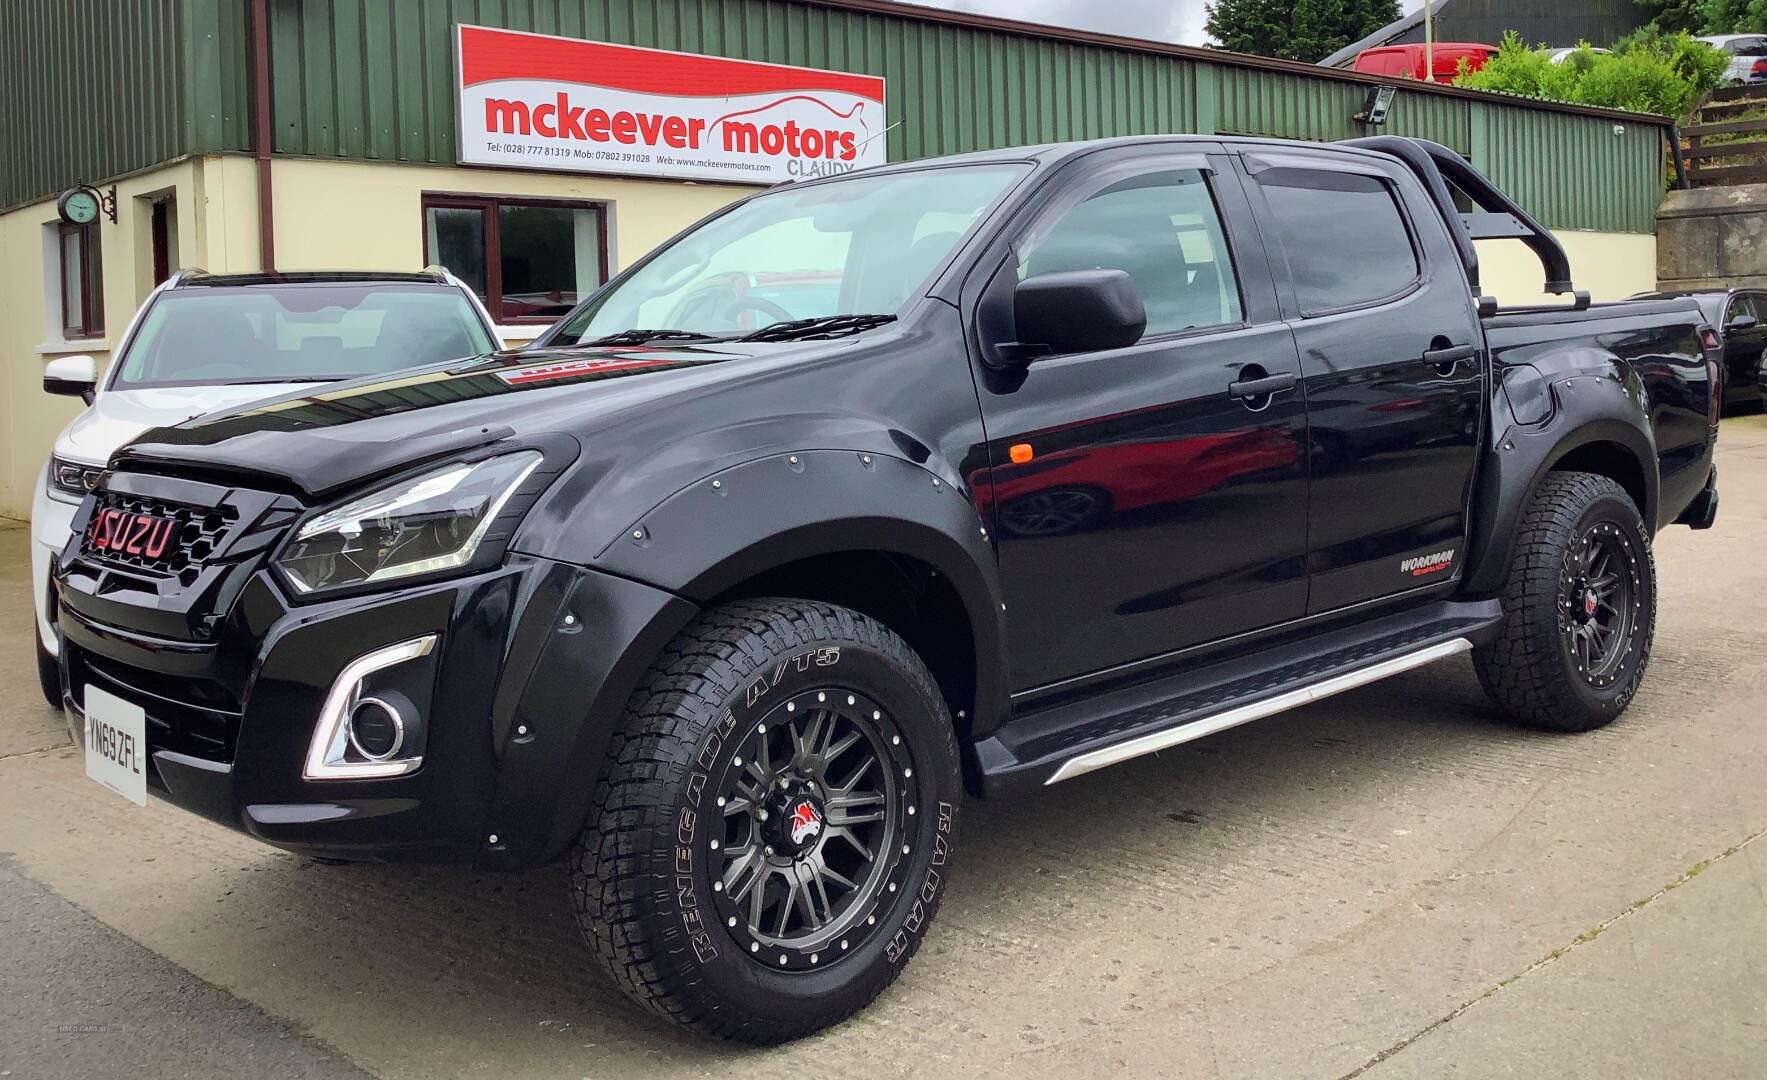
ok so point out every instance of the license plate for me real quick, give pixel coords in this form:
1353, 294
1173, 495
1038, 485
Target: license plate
116, 745
122, 532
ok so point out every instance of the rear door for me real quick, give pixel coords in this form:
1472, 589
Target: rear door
1138, 503
1392, 359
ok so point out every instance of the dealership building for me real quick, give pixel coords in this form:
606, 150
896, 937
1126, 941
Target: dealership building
536, 147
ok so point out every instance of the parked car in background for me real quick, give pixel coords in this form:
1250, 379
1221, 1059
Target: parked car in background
728, 616
1412, 62
1743, 50
1740, 317
212, 341
1559, 56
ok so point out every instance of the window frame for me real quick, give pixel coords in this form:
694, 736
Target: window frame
489, 206
1296, 163
1115, 172
91, 315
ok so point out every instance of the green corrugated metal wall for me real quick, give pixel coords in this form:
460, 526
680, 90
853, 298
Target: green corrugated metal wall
96, 88
1572, 172
373, 79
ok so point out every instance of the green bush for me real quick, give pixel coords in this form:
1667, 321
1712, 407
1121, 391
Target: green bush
1665, 74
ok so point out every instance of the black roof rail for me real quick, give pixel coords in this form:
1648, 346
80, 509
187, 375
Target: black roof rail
1498, 216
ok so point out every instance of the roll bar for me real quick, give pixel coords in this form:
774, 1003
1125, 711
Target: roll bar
1499, 217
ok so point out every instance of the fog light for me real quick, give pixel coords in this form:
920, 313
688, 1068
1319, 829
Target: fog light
377, 728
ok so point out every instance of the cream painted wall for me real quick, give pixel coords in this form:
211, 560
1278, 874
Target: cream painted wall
216, 229
338, 215
1609, 266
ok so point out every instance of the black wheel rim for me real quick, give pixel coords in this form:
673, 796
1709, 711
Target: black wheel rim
816, 806
1599, 598
1048, 512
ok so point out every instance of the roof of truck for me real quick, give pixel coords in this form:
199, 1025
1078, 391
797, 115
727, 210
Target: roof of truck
1045, 153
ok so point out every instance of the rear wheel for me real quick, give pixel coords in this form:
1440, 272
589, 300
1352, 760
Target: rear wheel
48, 671
1579, 608
770, 837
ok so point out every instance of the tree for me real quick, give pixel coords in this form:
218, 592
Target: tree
1705, 16
1674, 16
1306, 30
1726, 16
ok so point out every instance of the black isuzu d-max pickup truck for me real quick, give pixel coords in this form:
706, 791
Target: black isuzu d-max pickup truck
979, 473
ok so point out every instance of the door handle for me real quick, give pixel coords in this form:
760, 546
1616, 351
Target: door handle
1269, 384
1446, 360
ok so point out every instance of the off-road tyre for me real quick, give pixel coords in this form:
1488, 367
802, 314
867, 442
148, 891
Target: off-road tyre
643, 873
48, 671
1533, 671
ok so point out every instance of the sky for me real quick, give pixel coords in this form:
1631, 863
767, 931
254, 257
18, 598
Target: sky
1161, 20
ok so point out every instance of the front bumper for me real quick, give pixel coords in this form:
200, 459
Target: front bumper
230, 719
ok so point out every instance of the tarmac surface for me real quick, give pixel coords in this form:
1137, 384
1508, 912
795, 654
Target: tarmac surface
1387, 884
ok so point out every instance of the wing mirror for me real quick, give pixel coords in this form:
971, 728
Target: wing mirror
1741, 322
73, 376
1071, 311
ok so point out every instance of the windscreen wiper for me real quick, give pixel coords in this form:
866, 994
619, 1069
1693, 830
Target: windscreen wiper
641, 337
290, 379
827, 326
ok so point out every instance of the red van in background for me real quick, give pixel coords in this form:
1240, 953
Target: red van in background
1407, 61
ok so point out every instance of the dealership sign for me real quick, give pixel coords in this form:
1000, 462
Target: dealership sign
542, 102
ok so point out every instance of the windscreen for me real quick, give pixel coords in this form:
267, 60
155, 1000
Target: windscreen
297, 333
856, 246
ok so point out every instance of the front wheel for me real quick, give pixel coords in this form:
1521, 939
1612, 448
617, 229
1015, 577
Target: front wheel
772, 831
1579, 608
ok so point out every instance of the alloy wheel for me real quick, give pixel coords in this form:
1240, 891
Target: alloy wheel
1049, 513
815, 805
1599, 598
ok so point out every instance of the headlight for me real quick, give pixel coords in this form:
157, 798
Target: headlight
73, 478
417, 526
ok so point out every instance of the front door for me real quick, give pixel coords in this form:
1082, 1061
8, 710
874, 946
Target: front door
1138, 505
1393, 360
1743, 345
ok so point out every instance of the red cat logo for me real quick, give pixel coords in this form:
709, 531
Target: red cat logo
805, 822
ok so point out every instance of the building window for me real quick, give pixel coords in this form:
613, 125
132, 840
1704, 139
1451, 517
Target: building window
530, 259
82, 282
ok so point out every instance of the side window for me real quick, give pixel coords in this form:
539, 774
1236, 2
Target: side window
1345, 238
1163, 231
1744, 304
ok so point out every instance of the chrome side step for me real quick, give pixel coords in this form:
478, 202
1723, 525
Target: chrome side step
1257, 710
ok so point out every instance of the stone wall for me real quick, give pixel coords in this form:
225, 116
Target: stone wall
1713, 236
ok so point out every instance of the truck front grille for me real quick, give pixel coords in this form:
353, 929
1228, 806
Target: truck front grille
197, 717
198, 534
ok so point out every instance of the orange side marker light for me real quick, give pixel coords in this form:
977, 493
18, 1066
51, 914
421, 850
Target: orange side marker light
1020, 453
